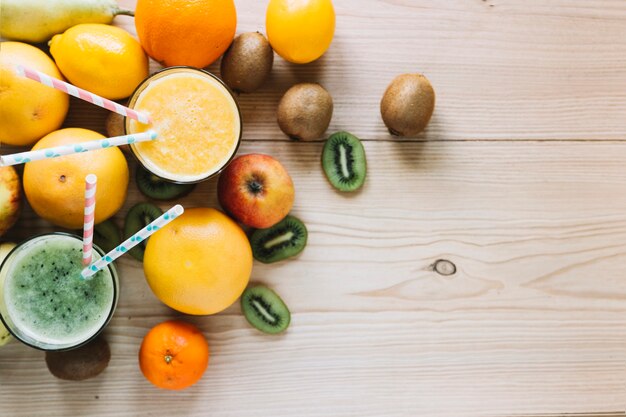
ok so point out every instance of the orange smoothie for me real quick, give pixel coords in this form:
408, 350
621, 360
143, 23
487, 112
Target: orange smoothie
196, 118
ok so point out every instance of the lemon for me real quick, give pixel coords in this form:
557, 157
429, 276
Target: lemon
28, 109
103, 59
55, 187
300, 31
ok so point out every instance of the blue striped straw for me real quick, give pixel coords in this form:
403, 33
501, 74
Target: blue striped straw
132, 241
94, 145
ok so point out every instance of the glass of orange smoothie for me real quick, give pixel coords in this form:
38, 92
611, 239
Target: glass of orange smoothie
197, 119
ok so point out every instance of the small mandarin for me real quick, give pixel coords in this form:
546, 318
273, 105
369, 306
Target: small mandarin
173, 355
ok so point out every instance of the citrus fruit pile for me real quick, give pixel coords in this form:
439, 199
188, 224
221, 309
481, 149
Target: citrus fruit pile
201, 262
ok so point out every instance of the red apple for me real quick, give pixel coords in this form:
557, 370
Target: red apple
256, 190
10, 198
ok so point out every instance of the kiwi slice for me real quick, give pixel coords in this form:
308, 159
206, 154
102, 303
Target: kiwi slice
81, 363
285, 239
154, 187
343, 161
265, 310
106, 235
138, 217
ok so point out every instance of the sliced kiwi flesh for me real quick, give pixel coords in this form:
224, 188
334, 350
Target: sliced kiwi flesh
344, 162
138, 217
265, 310
154, 187
106, 235
285, 239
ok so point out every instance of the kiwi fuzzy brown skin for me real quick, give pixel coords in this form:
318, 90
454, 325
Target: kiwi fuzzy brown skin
81, 363
408, 104
247, 63
114, 126
305, 111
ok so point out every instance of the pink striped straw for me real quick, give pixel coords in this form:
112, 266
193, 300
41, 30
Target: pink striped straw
90, 211
81, 94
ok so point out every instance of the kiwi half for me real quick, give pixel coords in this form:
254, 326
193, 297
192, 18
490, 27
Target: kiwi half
81, 363
138, 217
343, 161
106, 235
154, 187
285, 239
265, 310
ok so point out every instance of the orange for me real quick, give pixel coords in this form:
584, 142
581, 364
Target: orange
55, 188
173, 355
28, 109
200, 263
183, 32
300, 31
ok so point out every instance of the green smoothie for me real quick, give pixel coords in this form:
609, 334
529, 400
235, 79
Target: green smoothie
45, 298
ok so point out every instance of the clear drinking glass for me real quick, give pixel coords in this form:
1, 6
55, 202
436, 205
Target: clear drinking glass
44, 302
198, 119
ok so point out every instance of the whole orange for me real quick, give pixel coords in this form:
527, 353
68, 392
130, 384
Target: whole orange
173, 355
28, 110
185, 32
199, 263
55, 188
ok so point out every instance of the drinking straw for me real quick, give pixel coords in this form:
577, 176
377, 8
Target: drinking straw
24, 157
90, 209
81, 94
132, 241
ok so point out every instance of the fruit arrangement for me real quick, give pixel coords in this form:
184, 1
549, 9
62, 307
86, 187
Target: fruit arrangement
200, 262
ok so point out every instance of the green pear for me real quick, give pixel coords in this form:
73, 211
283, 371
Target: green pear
5, 336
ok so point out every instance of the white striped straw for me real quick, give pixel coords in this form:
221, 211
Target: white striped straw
81, 94
90, 211
132, 241
24, 157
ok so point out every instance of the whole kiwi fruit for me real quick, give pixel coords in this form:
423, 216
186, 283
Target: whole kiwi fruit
247, 63
408, 104
81, 363
305, 111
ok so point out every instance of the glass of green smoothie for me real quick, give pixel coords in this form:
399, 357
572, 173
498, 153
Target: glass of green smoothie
45, 303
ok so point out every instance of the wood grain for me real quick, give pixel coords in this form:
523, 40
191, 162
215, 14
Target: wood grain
533, 321
519, 182
502, 69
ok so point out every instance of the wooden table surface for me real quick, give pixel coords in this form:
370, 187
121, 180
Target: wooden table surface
519, 181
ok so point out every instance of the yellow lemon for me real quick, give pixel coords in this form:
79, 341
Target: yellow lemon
300, 31
55, 188
103, 59
200, 263
28, 109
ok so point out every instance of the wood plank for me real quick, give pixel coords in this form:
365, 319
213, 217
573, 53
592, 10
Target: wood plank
502, 69
532, 322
